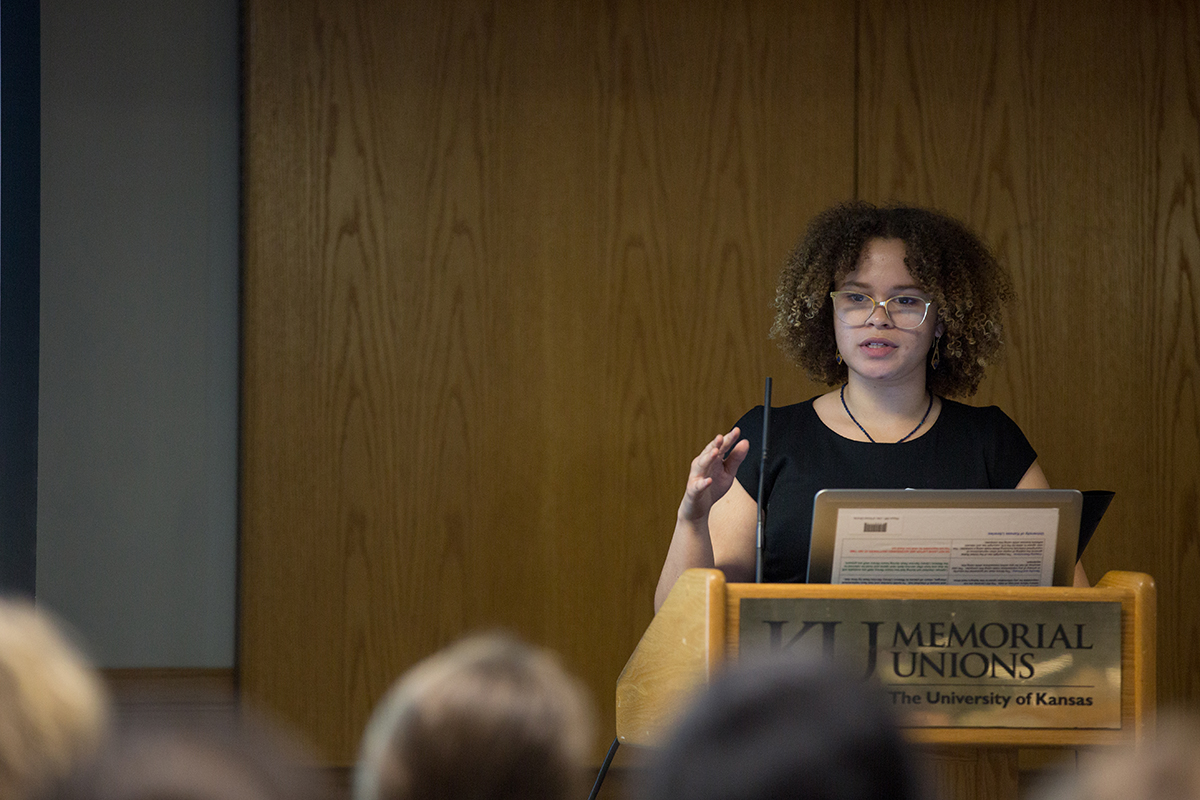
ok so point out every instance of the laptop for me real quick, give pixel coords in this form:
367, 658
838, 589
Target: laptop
953, 537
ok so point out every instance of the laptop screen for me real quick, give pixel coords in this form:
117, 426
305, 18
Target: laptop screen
952, 537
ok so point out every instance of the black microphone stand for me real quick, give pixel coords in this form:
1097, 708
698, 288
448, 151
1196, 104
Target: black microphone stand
762, 475
612, 751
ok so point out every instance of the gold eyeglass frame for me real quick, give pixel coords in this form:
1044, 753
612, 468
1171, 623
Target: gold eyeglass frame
878, 304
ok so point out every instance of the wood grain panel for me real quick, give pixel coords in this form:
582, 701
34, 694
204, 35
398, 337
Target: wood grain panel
507, 264
1069, 134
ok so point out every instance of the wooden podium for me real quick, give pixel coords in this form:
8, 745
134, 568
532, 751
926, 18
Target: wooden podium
699, 627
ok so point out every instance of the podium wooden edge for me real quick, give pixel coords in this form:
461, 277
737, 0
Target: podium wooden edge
690, 627
1139, 637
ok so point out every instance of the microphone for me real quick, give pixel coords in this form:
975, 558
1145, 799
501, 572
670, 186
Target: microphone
762, 473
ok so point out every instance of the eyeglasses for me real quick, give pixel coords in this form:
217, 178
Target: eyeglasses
855, 308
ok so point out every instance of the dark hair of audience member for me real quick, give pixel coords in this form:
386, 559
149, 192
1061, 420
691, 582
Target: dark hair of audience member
54, 708
487, 718
785, 728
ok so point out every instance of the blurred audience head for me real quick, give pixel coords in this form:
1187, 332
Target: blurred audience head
1165, 767
54, 709
194, 752
784, 728
489, 717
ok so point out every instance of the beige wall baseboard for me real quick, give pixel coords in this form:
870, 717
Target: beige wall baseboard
172, 688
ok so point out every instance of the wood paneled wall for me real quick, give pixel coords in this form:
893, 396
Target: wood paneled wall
509, 264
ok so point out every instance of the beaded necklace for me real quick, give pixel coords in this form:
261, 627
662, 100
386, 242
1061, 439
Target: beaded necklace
864, 430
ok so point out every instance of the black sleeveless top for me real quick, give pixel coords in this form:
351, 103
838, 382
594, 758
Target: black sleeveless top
967, 448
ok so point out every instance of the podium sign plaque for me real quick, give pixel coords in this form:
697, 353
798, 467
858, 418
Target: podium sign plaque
959, 663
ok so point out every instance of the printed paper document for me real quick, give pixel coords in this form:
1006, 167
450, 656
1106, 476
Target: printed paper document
946, 546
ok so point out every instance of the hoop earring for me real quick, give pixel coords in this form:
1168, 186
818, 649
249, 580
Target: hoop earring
936, 358
837, 356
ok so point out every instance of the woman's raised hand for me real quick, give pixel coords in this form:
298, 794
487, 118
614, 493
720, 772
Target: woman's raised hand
713, 472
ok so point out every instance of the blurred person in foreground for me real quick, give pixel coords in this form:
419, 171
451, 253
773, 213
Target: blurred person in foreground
487, 718
785, 728
54, 708
187, 750
1164, 767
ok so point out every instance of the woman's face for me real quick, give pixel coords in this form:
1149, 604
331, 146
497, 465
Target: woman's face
877, 349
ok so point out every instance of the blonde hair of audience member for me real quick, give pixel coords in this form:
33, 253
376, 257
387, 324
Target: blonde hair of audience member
54, 708
1166, 767
487, 717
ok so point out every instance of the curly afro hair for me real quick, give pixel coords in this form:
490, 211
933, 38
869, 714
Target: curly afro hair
943, 256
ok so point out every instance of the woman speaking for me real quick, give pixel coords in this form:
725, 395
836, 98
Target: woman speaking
899, 309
